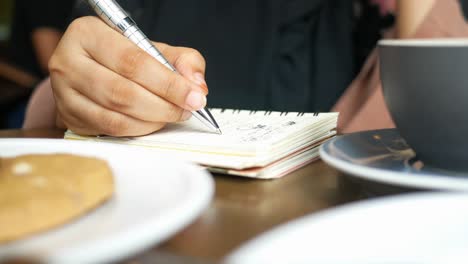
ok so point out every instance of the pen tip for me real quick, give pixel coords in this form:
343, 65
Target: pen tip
219, 131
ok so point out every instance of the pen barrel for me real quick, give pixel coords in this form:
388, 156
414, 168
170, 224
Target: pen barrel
116, 17
134, 34
112, 14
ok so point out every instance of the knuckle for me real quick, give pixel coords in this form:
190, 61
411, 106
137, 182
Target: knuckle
75, 25
58, 61
113, 125
80, 25
192, 55
62, 59
129, 62
54, 63
58, 66
54, 70
120, 95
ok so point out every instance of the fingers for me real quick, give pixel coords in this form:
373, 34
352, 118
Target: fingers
105, 84
122, 95
188, 62
120, 55
83, 116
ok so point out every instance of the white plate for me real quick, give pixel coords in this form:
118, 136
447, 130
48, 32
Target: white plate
155, 197
383, 156
416, 228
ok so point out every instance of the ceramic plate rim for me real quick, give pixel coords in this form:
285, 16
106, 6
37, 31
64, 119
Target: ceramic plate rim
139, 237
424, 181
421, 42
338, 214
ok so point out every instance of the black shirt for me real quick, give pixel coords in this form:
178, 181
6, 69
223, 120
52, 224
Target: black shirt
288, 55
28, 16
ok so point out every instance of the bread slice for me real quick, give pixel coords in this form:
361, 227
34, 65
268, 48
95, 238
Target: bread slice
39, 192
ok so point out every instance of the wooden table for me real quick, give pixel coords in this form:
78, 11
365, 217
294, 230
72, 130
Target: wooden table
243, 208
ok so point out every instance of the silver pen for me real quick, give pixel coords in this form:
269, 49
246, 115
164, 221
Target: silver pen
116, 17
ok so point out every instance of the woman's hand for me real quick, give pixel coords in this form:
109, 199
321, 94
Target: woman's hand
105, 84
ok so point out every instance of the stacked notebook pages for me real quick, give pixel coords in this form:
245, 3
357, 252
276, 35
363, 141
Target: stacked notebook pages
258, 144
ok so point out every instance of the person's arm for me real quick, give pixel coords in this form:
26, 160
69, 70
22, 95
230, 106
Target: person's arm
410, 15
45, 40
48, 20
362, 105
41, 111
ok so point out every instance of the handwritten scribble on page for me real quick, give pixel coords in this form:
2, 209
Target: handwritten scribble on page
240, 128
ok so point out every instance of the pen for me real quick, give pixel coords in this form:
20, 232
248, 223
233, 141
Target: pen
116, 17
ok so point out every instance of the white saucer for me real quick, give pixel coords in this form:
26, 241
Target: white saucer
155, 198
417, 228
383, 156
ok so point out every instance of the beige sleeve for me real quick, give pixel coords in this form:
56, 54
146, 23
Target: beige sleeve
41, 112
362, 106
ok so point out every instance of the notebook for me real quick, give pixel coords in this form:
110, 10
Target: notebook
258, 144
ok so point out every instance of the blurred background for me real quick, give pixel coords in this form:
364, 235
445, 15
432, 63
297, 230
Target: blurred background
6, 8
9, 92
30, 31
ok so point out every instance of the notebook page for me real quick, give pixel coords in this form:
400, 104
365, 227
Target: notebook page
244, 132
250, 139
238, 162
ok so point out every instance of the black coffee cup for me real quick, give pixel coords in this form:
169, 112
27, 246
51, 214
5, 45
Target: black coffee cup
425, 85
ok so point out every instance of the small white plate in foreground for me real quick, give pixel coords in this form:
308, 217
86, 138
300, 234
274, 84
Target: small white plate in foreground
155, 197
416, 228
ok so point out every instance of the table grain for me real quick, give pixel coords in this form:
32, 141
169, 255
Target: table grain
242, 208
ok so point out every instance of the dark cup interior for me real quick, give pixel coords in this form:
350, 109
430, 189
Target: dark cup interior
425, 85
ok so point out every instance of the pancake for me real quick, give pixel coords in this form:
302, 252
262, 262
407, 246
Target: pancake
40, 192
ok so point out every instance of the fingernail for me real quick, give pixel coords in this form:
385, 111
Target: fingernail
186, 115
196, 100
200, 80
